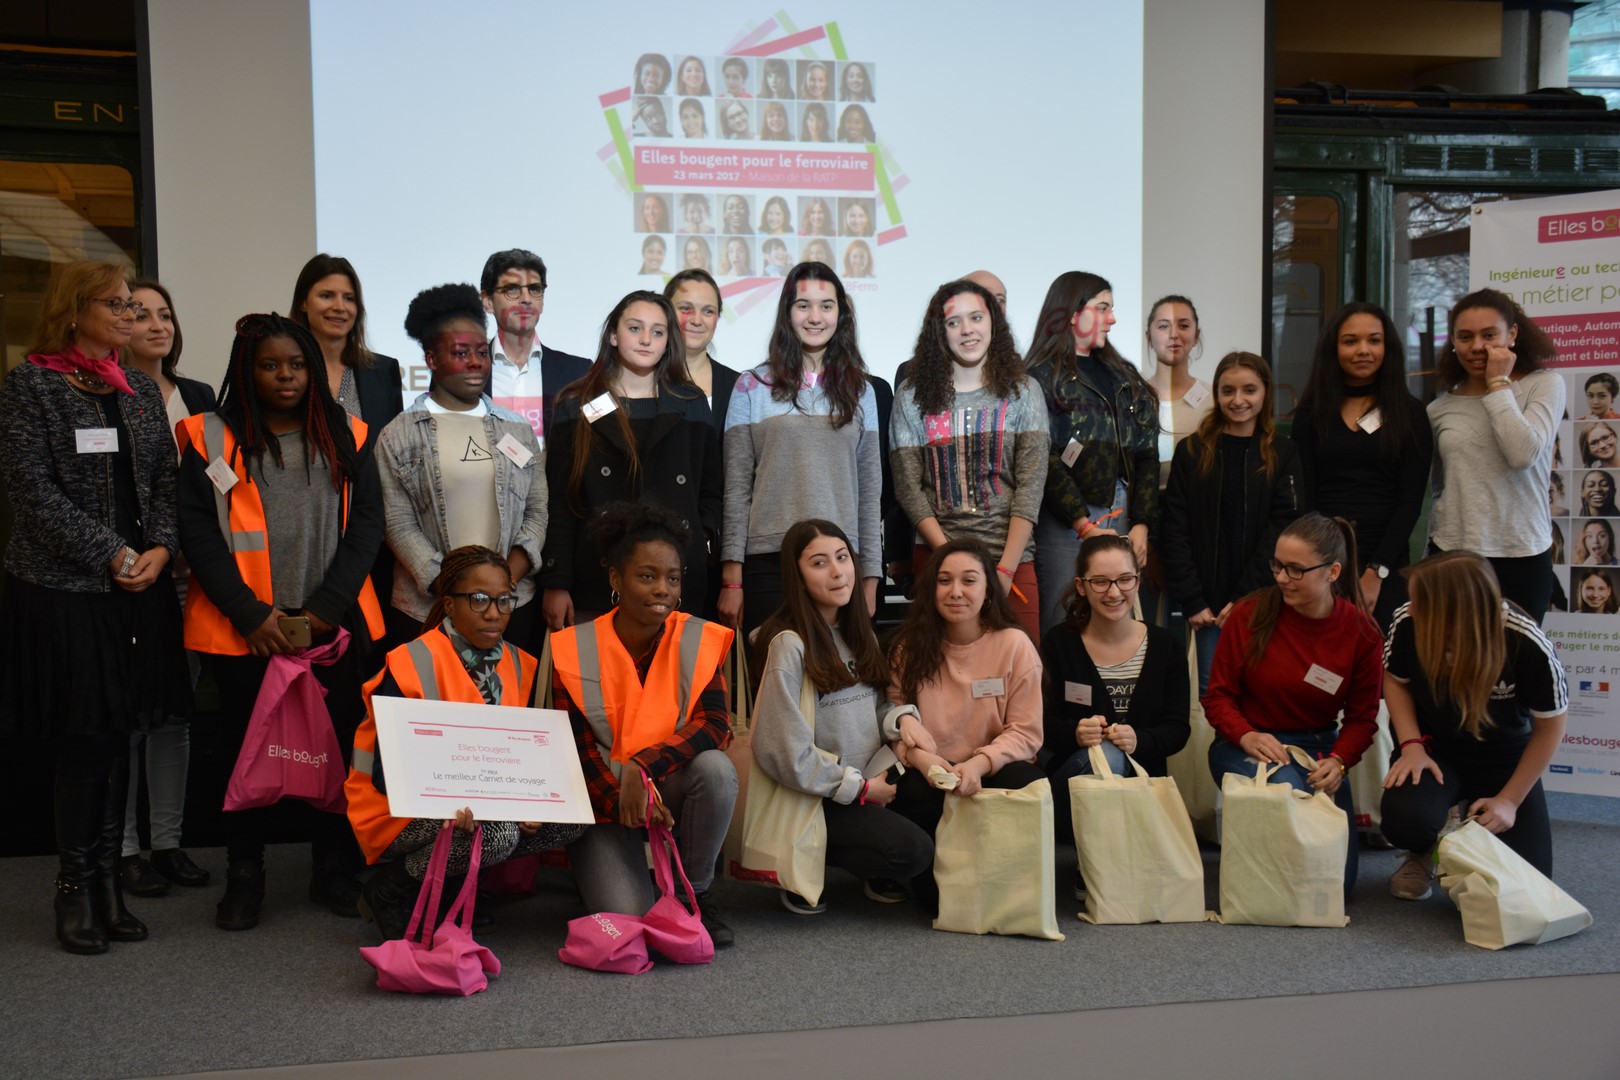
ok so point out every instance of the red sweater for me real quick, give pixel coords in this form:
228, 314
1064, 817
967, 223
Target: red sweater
1274, 695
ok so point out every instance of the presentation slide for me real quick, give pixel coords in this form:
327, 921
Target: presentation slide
902, 146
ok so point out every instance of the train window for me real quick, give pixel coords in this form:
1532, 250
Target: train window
53, 213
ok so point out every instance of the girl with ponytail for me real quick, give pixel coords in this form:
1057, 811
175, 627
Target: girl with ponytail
1291, 658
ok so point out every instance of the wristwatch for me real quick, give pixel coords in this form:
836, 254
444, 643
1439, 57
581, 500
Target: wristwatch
1380, 569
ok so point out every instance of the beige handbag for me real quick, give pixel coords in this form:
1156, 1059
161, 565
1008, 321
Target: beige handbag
1503, 899
741, 748
1189, 766
1366, 780
993, 863
784, 831
1136, 847
1282, 852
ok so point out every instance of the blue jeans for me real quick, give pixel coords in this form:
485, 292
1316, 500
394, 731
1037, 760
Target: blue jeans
1057, 547
1207, 638
1225, 757
1079, 764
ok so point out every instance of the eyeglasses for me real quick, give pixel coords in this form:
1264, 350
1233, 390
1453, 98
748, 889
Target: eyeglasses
1125, 582
1295, 572
479, 601
514, 292
118, 305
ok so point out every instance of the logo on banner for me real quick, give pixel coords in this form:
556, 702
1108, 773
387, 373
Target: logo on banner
1595, 689
1561, 770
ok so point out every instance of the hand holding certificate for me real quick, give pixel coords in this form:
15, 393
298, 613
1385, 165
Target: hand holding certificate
506, 764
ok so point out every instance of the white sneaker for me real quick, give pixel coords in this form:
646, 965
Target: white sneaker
800, 906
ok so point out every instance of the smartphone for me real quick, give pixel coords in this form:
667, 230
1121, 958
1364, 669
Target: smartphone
295, 628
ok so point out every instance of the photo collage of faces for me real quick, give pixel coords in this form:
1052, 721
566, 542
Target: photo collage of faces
733, 234
1582, 493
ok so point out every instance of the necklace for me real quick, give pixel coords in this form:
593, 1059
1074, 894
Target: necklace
92, 382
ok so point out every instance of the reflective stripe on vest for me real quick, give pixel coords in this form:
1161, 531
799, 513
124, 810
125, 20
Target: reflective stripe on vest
250, 540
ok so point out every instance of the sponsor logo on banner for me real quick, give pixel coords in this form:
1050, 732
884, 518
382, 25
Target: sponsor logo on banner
1562, 770
1594, 689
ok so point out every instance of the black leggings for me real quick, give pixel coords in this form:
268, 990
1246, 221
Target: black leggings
1414, 813
872, 841
1527, 581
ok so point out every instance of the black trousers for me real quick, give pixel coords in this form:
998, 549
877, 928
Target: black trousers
332, 844
1415, 813
873, 841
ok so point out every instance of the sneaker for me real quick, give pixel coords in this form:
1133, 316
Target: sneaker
1414, 879
800, 906
719, 932
139, 878
885, 891
1079, 886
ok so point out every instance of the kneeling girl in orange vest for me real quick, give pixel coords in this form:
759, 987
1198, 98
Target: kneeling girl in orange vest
460, 656
643, 688
280, 520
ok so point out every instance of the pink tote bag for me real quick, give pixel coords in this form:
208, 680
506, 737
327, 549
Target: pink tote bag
438, 961
290, 750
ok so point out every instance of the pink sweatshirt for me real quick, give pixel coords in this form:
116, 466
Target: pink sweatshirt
1003, 720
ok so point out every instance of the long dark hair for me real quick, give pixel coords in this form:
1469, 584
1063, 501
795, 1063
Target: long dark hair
1077, 604
1324, 388
1334, 540
843, 372
457, 563
670, 374
1053, 341
1214, 421
355, 352
326, 425
822, 664
918, 650
932, 364
176, 341
1532, 349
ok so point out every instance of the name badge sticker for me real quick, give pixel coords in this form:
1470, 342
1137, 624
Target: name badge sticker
96, 440
602, 406
1077, 693
1323, 679
1071, 454
222, 476
989, 687
520, 454
1372, 421
1197, 395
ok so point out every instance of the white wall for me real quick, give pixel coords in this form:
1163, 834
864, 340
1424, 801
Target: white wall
232, 123
1203, 151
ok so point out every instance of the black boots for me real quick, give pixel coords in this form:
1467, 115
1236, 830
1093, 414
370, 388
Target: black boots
389, 898
244, 895
79, 808
108, 891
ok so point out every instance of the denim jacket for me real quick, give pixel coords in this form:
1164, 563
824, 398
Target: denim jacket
414, 508
63, 534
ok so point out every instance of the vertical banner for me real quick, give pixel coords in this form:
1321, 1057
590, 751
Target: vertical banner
1560, 259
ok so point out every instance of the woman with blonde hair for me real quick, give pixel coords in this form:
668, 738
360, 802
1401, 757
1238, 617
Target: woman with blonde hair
1477, 700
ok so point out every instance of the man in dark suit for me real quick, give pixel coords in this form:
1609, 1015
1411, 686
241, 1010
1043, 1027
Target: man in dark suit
525, 376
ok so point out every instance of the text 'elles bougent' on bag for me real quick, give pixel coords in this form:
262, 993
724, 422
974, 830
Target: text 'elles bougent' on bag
1503, 899
443, 959
290, 750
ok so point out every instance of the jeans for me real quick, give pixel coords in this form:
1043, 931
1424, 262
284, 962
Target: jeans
609, 864
1056, 549
1207, 638
168, 755
1079, 764
1225, 757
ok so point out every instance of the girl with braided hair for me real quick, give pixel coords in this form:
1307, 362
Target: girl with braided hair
462, 649
280, 519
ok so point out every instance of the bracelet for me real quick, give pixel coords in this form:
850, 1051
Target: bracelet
729, 585
1498, 382
1343, 768
1421, 740
129, 562
860, 800
1004, 570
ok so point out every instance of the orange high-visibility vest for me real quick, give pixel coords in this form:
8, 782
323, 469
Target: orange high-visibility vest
430, 670
241, 522
625, 714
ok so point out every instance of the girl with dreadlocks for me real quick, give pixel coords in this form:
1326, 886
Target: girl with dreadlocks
460, 656
970, 440
280, 518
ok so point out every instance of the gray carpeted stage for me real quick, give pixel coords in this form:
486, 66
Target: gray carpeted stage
294, 991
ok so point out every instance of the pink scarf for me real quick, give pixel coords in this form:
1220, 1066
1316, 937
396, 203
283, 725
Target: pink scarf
73, 361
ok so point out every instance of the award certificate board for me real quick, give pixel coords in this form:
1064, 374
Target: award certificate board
507, 764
